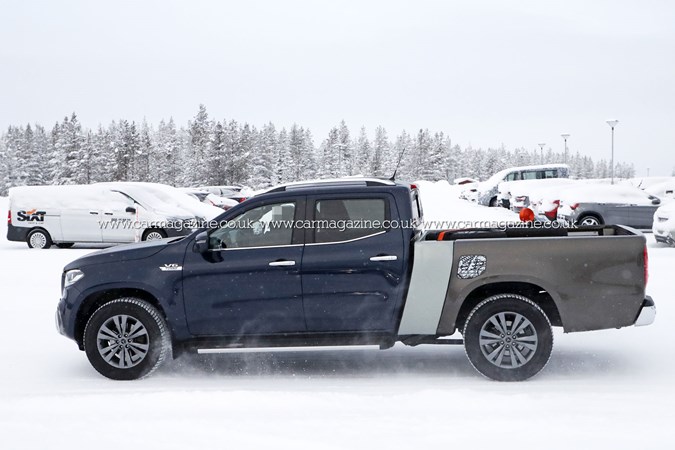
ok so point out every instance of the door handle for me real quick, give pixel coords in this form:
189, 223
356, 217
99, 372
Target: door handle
108, 214
384, 258
281, 263
93, 212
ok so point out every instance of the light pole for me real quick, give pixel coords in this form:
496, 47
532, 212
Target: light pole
565, 136
541, 146
612, 124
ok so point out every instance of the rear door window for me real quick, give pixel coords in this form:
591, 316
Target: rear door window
339, 220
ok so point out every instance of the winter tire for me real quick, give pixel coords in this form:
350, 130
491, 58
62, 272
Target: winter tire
589, 221
126, 339
507, 337
154, 234
39, 238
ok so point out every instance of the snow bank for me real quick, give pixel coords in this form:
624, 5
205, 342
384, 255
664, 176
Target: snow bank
440, 202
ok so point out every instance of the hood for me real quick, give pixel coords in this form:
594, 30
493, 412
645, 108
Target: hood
126, 252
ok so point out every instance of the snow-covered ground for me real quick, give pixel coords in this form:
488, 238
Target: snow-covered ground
612, 389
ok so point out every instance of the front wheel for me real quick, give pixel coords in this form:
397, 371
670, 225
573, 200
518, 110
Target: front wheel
590, 221
507, 337
126, 339
154, 234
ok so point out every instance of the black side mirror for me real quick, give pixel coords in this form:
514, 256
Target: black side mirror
656, 201
201, 244
130, 209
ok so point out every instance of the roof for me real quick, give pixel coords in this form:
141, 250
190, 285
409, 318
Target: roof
341, 182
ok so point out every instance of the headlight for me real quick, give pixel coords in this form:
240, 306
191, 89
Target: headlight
72, 277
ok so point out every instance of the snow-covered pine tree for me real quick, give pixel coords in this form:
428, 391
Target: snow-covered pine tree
142, 156
215, 160
344, 151
309, 155
330, 155
380, 154
282, 167
263, 160
436, 166
244, 149
296, 147
200, 141
362, 156
402, 157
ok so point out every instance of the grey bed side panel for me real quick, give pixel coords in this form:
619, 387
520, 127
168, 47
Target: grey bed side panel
596, 282
428, 287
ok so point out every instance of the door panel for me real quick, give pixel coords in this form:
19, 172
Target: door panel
237, 292
81, 225
248, 282
354, 285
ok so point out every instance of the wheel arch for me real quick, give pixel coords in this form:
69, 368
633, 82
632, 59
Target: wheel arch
97, 299
534, 292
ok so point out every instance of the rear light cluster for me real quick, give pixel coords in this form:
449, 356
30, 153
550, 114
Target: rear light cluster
646, 256
574, 206
521, 198
553, 213
241, 200
9, 217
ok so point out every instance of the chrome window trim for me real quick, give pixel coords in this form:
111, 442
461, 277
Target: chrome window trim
254, 248
348, 240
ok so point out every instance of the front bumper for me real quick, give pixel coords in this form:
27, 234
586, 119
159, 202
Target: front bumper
647, 313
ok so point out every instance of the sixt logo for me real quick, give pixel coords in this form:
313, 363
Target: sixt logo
31, 216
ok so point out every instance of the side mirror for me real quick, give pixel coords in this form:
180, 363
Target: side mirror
656, 201
130, 209
201, 244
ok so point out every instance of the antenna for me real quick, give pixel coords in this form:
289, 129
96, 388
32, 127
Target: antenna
400, 157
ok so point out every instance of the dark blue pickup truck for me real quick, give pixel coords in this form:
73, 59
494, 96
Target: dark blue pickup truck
346, 263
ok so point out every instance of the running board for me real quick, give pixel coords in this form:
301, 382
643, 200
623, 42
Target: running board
206, 351
413, 341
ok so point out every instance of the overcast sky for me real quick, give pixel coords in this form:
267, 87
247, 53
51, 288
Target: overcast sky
484, 72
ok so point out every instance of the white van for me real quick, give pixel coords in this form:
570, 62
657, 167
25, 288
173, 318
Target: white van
99, 213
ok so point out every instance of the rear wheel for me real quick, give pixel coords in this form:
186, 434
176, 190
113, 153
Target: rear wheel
154, 234
507, 337
126, 339
493, 202
39, 239
589, 220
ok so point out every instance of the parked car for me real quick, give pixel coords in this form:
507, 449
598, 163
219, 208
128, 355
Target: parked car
237, 193
168, 195
517, 195
600, 204
664, 190
486, 191
99, 213
664, 224
263, 279
210, 199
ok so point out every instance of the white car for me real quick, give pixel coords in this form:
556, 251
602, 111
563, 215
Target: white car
210, 199
664, 224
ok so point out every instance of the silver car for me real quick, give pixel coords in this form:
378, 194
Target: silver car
608, 204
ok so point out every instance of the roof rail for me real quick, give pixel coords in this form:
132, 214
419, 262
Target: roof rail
347, 181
